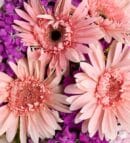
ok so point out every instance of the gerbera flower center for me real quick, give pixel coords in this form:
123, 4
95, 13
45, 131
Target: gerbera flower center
55, 35
109, 88
26, 96
102, 15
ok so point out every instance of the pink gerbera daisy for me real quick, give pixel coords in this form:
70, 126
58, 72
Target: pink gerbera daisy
104, 91
31, 102
114, 18
61, 33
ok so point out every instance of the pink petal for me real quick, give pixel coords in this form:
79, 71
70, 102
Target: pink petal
73, 89
23, 130
113, 125
55, 81
105, 125
31, 62
23, 70
123, 65
10, 120
24, 25
87, 39
24, 15
82, 8
94, 60
71, 99
59, 107
3, 96
27, 36
64, 64
19, 29
100, 133
30, 11
62, 7
79, 102
5, 113
37, 70
32, 130
12, 128
89, 70
126, 96
109, 124
81, 55
77, 119
37, 6
124, 117
85, 126
91, 103
117, 54
44, 60
57, 117
57, 89
45, 16
49, 117
98, 56
82, 48
3, 85
94, 121
42, 126
84, 24
111, 54
88, 113
53, 63
81, 76
88, 85
4, 77
72, 55
126, 104
14, 68
60, 98
125, 53
91, 36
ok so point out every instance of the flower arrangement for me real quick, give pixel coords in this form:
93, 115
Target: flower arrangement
64, 71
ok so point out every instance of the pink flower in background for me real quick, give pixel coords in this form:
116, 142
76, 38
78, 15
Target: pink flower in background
114, 18
1, 3
32, 102
123, 137
61, 34
102, 91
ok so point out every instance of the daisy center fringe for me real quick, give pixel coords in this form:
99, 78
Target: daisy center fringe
109, 88
27, 95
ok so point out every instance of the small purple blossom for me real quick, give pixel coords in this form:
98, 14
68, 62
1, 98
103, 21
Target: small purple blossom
11, 47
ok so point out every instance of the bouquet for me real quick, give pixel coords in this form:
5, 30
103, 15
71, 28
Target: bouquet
64, 71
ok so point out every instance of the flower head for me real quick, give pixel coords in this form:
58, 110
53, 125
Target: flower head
32, 99
114, 18
103, 91
61, 33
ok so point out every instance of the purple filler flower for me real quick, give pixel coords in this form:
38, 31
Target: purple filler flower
11, 48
